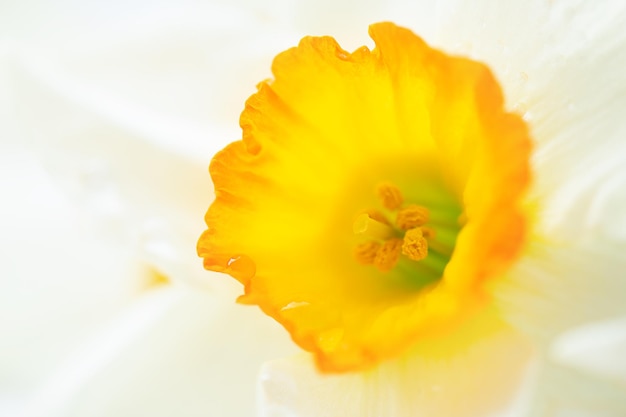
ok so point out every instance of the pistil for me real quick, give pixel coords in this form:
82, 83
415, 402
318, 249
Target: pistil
365, 225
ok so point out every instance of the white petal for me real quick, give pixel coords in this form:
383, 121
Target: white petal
558, 286
597, 348
128, 124
561, 65
565, 75
91, 357
327, 17
179, 74
127, 185
178, 352
57, 279
566, 392
485, 376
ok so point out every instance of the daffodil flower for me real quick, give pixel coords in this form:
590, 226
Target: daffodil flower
373, 197
109, 113
395, 218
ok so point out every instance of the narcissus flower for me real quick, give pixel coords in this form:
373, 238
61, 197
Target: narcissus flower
373, 197
377, 207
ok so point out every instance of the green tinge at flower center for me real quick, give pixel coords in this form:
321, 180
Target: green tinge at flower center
413, 240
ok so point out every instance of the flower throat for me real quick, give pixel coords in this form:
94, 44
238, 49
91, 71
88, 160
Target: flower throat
420, 241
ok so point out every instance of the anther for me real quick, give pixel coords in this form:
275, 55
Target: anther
412, 216
390, 195
365, 253
365, 225
415, 246
388, 255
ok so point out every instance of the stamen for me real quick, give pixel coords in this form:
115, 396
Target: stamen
388, 255
365, 253
365, 225
415, 246
385, 246
411, 217
390, 195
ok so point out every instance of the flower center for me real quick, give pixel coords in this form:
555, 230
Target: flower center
410, 242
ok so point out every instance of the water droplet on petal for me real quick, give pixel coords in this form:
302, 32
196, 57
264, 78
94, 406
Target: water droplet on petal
241, 267
295, 304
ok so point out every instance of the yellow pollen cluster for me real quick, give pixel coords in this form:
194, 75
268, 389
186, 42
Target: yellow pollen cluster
411, 217
390, 196
415, 246
388, 254
409, 238
365, 253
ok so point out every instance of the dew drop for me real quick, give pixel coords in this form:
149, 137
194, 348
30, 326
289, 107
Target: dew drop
295, 304
241, 267
343, 55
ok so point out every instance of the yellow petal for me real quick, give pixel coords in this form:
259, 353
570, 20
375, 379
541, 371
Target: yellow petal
317, 142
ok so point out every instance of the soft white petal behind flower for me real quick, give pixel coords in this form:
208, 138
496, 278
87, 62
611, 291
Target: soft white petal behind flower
490, 375
109, 115
55, 285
